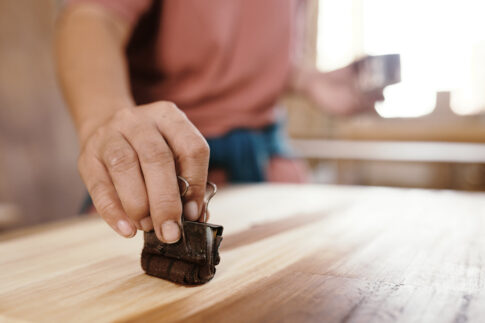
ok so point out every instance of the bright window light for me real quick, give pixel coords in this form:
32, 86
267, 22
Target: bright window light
442, 47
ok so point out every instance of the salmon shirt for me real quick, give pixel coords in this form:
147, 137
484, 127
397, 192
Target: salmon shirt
225, 63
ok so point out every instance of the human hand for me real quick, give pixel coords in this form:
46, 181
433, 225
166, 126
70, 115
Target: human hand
337, 92
130, 164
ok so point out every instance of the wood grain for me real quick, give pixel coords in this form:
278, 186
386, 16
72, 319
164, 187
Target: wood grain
290, 254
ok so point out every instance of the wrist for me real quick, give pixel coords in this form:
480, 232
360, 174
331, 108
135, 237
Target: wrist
301, 79
90, 123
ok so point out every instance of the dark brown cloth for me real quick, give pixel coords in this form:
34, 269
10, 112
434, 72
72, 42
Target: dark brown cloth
190, 261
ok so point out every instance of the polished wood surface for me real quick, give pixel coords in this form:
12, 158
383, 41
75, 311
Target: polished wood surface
289, 254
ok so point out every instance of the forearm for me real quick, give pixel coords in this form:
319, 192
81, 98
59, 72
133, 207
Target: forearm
300, 79
91, 65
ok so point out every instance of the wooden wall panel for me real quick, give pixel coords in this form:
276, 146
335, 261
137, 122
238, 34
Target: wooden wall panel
38, 147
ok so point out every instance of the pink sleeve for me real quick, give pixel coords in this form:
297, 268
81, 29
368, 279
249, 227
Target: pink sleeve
129, 10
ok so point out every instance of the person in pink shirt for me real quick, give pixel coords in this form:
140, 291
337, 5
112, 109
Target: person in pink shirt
164, 88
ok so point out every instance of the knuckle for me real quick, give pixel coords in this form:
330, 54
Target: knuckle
170, 110
120, 159
167, 206
127, 122
83, 163
170, 106
124, 115
97, 136
104, 204
137, 208
155, 154
98, 190
106, 208
89, 147
198, 149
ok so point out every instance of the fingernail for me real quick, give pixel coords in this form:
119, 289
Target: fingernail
170, 231
125, 228
191, 211
146, 224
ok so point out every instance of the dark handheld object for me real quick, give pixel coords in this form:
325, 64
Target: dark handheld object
377, 72
190, 261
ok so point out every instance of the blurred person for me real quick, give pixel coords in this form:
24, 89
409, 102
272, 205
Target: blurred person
185, 87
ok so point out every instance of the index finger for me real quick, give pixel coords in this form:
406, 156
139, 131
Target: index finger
158, 167
191, 153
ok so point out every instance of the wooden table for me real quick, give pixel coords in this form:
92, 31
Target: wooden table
290, 254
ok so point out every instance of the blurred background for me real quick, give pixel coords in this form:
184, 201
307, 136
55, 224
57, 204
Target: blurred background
429, 132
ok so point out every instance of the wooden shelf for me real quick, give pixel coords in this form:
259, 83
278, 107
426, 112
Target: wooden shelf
390, 150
